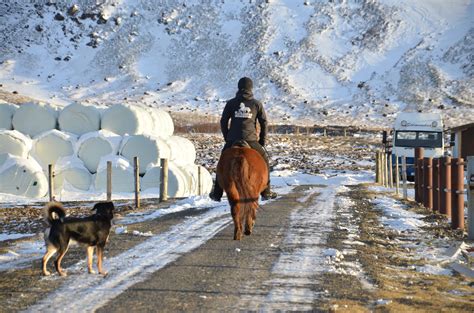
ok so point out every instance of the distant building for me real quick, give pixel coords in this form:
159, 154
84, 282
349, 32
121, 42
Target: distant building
463, 140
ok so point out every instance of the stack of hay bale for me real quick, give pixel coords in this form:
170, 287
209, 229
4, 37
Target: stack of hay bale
79, 140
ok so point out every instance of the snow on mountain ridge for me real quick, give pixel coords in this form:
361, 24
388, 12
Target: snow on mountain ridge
353, 62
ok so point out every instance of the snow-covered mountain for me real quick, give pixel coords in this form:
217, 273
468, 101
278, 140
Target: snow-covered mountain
343, 62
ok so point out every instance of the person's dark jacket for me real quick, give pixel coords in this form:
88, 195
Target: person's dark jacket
244, 111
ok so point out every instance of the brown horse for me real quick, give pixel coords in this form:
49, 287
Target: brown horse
243, 174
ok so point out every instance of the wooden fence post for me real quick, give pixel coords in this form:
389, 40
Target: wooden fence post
51, 181
390, 170
136, 176
470, 197
385, 169
445, 197
377, 167
109, 180
397, 176
457, 197
428, 183
199, 181
164, 180
404, 177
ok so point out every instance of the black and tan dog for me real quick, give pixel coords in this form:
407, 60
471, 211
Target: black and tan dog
92, 231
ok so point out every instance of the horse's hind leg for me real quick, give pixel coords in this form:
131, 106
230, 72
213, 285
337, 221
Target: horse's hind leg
235, 210
249, 221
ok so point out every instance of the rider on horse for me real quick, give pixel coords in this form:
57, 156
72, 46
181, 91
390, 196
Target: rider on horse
244, 111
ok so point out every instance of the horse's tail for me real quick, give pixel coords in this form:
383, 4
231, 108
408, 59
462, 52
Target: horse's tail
248, 201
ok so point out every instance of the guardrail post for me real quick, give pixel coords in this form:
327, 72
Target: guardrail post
109, 180
457, 198
136, 170
421, 182
428, 183
164, 180
419, 154
470, 197
404, 177
436, 184
51, 181
445, 187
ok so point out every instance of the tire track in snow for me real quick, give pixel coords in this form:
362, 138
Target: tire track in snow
293, 282
86, 293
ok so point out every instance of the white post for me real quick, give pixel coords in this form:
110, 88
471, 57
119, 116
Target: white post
470, 197
404, 177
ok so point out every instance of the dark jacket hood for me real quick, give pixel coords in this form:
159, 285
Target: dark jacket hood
245, 86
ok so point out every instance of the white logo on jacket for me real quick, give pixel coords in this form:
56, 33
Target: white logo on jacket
243, 112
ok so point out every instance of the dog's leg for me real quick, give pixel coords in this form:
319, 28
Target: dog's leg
100, 255
50, 251
90, 255
57, 262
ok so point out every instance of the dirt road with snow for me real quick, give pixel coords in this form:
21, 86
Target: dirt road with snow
332, 240
318, 247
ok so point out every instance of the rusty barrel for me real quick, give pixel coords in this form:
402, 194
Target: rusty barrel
457, 198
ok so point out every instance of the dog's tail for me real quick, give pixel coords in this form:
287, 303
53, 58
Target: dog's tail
54, 211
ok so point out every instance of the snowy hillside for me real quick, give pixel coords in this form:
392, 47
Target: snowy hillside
340, 62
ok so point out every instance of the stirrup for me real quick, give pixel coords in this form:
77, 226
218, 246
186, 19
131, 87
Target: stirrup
214, 197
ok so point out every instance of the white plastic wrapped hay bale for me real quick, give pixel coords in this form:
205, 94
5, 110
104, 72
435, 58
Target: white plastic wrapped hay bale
71, 175
33, 118
148, 149
7, 111
163, 125
92, 147
204, 179
178, 182
182, 150
22, 177
151, 181
15, 143
122, 175
127, 119
52, 145
79, 119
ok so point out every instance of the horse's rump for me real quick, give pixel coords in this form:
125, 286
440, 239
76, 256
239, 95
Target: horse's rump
243, 174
